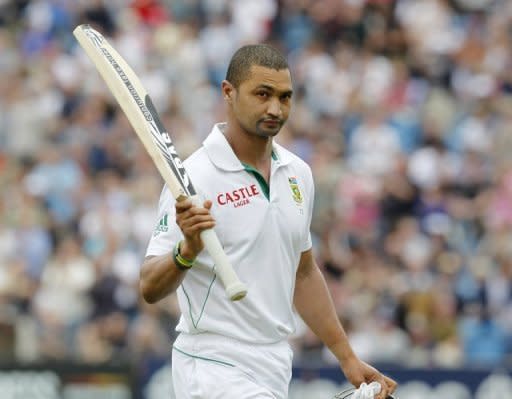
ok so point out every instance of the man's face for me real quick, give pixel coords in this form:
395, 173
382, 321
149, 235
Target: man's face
261, 104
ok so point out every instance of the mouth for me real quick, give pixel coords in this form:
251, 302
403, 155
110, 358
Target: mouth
272, 122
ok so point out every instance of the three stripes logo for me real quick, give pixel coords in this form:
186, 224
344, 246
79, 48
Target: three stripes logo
162, 226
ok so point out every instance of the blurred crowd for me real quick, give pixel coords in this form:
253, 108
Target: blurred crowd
403, 109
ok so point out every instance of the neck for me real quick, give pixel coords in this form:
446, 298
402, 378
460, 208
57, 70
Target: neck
249, 148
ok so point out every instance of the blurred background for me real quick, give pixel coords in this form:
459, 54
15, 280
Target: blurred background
402, 108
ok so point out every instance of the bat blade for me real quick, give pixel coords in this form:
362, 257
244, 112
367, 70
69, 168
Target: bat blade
138, 108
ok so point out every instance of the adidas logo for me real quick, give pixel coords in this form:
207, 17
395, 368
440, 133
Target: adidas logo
162, 226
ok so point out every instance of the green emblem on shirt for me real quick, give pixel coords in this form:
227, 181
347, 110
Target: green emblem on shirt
297, 195
162, 226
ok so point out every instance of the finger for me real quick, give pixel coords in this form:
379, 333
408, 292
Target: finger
388, 386
197, 228
182, 206
191, 212
391, 384
188, 218
187, 204
190, 222
199, 211
384, 391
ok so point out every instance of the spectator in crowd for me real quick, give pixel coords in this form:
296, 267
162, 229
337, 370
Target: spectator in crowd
402, 109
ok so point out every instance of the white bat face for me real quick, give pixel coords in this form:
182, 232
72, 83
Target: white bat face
160, 136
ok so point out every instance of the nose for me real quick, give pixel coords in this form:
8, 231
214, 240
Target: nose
274, 108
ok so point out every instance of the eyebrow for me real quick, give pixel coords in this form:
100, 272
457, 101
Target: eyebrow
272, 89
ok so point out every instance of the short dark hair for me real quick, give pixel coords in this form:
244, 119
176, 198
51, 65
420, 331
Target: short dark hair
253, 54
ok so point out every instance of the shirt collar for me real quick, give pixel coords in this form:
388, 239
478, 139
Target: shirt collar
222, 155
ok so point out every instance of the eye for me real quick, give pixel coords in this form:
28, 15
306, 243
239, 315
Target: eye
263, 94
286, 97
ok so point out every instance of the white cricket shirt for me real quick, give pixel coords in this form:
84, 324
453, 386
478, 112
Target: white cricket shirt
264, 229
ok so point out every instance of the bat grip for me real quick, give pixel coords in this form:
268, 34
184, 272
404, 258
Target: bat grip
235, 289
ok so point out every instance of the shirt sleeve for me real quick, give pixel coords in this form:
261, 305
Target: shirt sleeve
166, 232
310, 192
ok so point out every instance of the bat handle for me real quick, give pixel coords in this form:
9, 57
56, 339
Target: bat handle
235, 289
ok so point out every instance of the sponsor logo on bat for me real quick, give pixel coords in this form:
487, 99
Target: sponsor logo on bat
160, 137
94, 36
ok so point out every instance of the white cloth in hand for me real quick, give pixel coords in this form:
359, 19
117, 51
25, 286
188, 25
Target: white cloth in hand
367, 391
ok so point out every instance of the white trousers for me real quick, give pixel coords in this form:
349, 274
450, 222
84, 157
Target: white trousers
209, 366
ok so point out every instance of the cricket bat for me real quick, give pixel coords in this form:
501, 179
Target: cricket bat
140, 111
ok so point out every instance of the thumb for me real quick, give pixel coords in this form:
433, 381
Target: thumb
208, 204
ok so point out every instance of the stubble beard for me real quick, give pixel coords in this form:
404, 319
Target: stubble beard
260, 131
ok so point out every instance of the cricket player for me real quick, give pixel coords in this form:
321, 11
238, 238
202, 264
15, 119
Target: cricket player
259, 198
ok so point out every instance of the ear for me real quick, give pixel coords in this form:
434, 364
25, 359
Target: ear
227, 91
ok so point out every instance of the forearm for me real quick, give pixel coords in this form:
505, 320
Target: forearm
159, 277
314, 304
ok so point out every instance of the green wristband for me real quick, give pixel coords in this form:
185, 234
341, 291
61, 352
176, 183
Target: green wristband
181, 262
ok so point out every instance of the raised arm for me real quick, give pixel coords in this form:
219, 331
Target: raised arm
160, 275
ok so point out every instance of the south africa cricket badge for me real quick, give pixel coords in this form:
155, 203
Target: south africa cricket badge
296, 194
